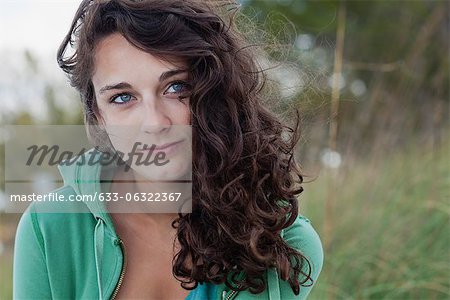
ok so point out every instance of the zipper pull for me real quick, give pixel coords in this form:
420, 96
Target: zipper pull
228, 295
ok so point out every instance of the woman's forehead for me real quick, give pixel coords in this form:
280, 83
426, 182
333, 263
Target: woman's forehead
116, 43
115, 55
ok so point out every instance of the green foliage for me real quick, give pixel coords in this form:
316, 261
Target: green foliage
397, 49
6, 272
390, 234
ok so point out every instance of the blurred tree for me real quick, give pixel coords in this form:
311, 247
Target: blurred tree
58, 115
395, 72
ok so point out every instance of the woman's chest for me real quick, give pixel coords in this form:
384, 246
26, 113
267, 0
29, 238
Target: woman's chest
148, 252
148, 274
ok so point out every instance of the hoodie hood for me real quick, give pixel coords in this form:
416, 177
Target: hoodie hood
87, 176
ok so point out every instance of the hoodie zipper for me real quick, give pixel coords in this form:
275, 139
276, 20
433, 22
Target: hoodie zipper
122, 273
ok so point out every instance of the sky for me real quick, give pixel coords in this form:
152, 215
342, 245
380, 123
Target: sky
35, 24
39, 25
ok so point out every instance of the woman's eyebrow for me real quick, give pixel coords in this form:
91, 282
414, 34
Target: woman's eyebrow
170, 73
123, 85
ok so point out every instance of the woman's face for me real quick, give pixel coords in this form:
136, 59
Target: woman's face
137, 96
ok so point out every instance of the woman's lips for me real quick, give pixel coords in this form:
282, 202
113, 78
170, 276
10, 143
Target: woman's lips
166, 145
167, 148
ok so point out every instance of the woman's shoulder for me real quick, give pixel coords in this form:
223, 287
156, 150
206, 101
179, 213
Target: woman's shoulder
302, 233
303, 237
42, 217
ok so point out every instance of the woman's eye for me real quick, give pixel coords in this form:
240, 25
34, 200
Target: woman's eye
121, 99
177, 87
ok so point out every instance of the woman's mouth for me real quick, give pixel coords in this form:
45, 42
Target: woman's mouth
165, 148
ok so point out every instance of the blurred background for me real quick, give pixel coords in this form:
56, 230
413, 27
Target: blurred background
371, 82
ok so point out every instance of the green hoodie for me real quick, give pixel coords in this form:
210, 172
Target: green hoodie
80, 256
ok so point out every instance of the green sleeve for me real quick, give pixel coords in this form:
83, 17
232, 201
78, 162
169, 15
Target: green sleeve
302, 236
30, 277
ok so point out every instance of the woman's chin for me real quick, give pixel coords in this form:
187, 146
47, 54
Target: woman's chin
162, 173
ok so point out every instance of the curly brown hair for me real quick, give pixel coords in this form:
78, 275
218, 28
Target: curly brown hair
245, 177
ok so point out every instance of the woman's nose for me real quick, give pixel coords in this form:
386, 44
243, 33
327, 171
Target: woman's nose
154, 118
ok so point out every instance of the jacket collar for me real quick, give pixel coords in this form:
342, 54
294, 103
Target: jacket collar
84, 177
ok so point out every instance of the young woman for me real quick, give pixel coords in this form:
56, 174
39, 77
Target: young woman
155, 65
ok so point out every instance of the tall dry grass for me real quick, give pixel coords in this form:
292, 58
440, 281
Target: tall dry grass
391, 226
